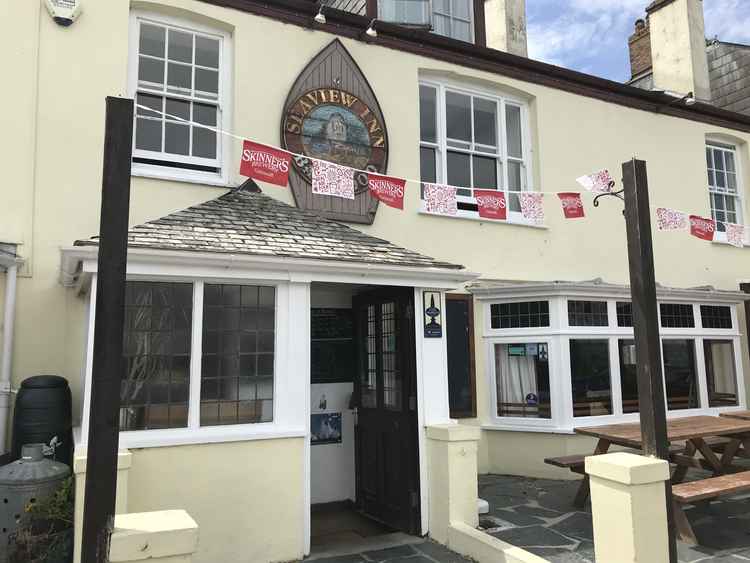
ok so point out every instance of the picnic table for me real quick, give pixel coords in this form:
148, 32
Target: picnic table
742, 415
718, 440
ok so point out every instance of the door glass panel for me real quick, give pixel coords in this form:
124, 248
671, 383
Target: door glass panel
680, 374
392, 383
720, 373
369, 381
590, 377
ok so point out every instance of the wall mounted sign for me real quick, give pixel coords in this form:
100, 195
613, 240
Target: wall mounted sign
332, 114
325, 428
433, 318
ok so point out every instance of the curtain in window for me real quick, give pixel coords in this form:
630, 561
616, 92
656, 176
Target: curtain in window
516, 378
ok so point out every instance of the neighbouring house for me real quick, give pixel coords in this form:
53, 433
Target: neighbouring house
285, 349
669, 51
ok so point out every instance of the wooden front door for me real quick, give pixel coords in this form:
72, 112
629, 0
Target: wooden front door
387, 448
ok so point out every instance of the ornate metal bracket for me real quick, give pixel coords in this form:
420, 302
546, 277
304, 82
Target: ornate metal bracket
617, 194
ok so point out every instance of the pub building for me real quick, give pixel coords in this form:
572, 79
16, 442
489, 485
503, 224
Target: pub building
288, 350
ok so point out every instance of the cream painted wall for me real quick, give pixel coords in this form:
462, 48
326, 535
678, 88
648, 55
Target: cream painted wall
246, 497
51, 198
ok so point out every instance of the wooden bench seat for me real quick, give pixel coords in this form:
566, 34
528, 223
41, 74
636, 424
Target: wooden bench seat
711, 488
705, 489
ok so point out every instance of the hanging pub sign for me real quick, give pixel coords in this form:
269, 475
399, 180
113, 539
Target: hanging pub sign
433, 318
331, 114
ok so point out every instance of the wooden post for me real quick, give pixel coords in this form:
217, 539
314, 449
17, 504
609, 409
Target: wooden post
646, 324
746, 288
104, 427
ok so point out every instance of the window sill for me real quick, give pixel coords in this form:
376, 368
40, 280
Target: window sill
207, 435
510, 222
178, 175
723, 242
497, 427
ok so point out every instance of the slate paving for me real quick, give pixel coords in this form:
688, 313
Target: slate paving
426, 552
538, 516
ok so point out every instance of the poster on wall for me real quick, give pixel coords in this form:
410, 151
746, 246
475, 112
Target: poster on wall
325, 428
433, 319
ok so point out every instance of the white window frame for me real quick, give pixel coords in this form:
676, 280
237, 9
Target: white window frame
286, 421
558, 336
223, 159
452, 18
441, 146
739, 197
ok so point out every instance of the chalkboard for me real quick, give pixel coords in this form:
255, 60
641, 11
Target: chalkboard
332, 346
332, 323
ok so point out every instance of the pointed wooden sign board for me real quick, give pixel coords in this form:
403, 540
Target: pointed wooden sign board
332, 114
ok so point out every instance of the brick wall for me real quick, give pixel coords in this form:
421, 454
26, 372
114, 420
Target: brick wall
640, 48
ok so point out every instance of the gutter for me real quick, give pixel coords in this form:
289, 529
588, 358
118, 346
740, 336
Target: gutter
80, 261
469, 55
9, 313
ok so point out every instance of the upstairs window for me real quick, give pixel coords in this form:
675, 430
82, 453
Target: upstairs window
451, 18
178, 73
724, 185
473, 141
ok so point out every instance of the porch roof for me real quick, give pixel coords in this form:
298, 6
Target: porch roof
249, 222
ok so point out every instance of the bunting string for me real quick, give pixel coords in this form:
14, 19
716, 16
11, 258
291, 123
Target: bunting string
272, 164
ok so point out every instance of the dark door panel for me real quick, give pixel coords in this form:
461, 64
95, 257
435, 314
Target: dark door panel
387, 449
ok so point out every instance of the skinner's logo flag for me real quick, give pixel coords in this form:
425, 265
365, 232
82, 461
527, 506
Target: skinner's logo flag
387, 189
264, 163
702, 228
491, 204
571, 204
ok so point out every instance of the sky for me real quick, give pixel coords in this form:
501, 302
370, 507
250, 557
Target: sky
592, 35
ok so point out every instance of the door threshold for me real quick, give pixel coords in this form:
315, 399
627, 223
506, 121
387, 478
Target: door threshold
372, 543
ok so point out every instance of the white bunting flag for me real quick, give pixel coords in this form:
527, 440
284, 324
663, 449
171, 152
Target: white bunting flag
532, 207
331, 179
597, 182
671, 219
735, 235
440, 199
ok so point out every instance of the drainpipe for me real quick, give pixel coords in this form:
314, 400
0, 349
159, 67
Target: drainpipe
8, 321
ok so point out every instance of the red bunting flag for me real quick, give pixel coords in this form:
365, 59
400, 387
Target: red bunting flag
264, 163
387, 189
571, 204
491, 204
702, 228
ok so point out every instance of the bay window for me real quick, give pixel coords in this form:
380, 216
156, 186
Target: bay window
233, 381
474, 140
178, 77
558, 362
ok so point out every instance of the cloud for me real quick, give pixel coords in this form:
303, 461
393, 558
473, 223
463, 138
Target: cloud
592, 35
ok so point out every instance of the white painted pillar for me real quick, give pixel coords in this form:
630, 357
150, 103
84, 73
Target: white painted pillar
629, 508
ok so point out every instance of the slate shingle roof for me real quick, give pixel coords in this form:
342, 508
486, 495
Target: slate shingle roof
246, 222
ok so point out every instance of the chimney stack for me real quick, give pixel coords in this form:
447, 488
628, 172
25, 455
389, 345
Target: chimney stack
678, 47
505, 22
640, 49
